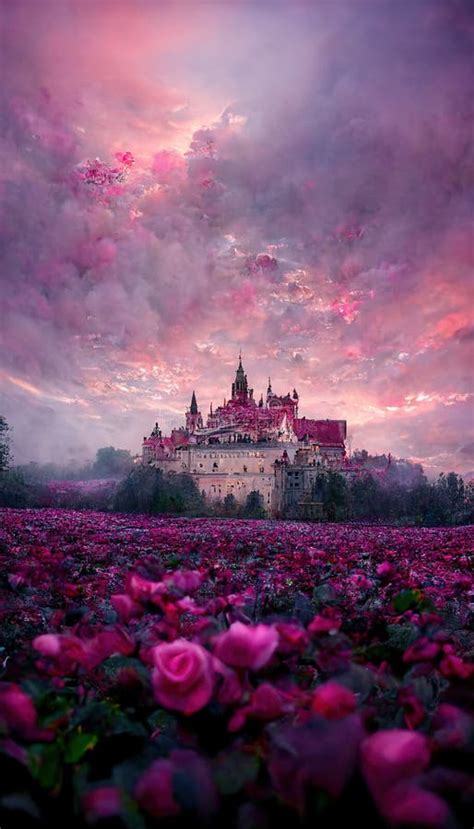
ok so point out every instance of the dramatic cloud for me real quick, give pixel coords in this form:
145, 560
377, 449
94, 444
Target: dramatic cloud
288, 178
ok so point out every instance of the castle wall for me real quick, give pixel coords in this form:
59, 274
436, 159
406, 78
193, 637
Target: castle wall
245, 459
215, 486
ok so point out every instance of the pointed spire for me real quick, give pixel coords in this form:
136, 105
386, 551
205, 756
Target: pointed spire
194, 407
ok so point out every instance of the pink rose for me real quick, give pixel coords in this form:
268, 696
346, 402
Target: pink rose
154, 790
182, 677
125, 607
392, 763
333, 701
266, 703
187, 581
324, 624
18, 713
292, 637
247, 646
453, 666
105, 801
142, 590
393, 755
423, 650
155, 794
386, 570
410, 805
48, 644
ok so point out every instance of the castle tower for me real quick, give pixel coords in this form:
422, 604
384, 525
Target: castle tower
193, 416
269, 390
296, 401
240, 389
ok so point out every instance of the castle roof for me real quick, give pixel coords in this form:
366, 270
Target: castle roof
325, 432
194, 407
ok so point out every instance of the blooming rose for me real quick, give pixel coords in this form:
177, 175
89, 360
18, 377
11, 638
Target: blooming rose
247, 646
182, 678
333, 701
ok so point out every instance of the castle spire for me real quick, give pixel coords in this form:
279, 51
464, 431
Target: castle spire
194, 407
240, 389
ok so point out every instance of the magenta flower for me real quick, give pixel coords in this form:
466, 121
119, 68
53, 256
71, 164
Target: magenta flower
423, 650
154, 790
392, 762
125, 607
333, 701
393, 755
102, 802
18, 714
247, 646
182, 676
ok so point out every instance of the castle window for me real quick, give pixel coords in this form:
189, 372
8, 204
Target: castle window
200, 464
262, 469
215, 465
245, 468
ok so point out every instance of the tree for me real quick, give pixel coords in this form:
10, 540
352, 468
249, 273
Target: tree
231, 507
146, 489
111, 462
332, 487
5, 455
254, 505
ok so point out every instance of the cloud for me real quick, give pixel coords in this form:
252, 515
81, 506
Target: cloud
330, 141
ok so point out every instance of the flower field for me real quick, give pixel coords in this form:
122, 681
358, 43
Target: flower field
195, 672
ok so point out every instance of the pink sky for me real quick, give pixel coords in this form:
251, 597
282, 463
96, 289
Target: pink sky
334, 138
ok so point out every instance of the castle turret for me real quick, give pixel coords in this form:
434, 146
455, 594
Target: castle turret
193, 416
296, 400
269, 389
240, 389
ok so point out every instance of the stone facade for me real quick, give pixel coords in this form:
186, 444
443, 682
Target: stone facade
240, 447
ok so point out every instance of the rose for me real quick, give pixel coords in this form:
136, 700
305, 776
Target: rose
154, 790
247, 646
333, 701
125, 607
393, 755
18, 714
392, 763
158, 795
102, 802
182, 677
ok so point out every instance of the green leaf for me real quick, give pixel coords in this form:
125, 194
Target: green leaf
234, 770
77, 744
411, 600
45, 764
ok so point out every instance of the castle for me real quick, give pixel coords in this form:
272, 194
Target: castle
246, 446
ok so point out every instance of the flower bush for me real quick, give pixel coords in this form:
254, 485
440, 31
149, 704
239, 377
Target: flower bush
193, 672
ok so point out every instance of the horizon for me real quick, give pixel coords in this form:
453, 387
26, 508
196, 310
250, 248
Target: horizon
292, 180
